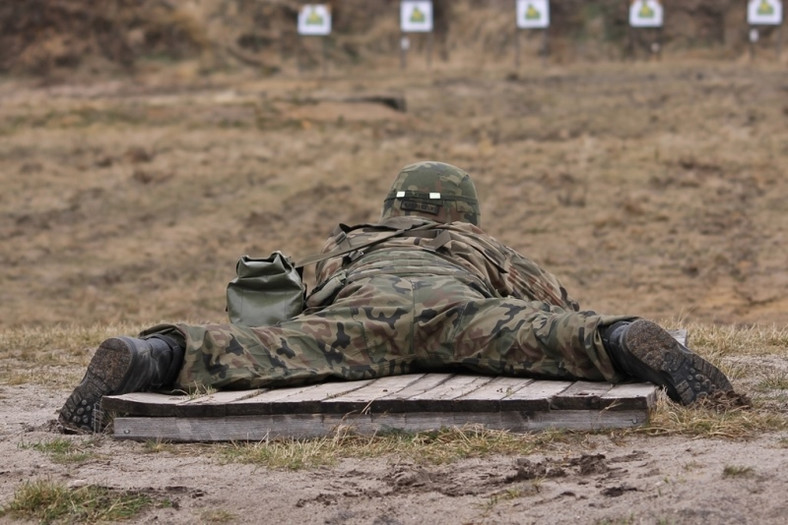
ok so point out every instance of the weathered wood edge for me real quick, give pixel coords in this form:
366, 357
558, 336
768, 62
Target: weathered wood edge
532, 396
300, 426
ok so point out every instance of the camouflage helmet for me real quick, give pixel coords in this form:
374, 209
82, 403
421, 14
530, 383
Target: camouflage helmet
434, 190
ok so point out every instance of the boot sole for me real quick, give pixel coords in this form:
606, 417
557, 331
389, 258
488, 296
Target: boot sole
684, 374
106, 372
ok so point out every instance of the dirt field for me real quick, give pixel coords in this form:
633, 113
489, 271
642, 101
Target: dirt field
657, 189
648, 188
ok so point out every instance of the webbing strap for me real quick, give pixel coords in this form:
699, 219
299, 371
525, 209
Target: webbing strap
346, 246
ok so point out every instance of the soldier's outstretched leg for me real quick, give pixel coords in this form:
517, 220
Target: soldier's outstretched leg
644, 350
533, 339
121, 365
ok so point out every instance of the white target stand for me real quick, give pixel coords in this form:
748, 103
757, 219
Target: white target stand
532, 15
416, 17
764, 13
648, 15
314, 20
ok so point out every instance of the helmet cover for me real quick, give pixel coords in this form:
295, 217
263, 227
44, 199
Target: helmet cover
433, 190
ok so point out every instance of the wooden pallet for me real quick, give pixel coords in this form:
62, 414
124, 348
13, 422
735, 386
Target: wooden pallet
413, 402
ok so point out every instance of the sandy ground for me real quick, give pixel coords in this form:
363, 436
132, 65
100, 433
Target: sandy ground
597, 478
652, 189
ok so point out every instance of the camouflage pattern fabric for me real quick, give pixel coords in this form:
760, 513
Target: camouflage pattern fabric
458, 300
435, 190
506, 272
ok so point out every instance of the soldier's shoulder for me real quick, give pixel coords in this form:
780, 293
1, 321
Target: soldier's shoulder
473, 232
467, 227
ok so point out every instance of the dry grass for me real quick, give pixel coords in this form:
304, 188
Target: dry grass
218, 516
53, 356
664, 180
747, 355
437, 447
737, 471
701, 421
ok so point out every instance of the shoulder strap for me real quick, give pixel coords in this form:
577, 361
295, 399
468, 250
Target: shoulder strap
350, 247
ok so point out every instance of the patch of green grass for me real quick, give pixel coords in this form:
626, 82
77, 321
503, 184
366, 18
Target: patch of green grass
616, 521
692, 465
506, 495
737, 471
62, 450
438, 447
156, 447
48, 502
217, 516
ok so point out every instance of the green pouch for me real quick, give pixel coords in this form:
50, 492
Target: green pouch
265, 291
268, 291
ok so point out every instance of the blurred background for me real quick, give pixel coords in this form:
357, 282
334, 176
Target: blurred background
146, 144
52, 37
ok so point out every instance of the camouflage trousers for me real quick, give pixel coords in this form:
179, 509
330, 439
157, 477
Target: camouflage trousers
386, 325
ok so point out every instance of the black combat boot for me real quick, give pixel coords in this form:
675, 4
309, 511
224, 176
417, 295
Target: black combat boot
121, 365
646, 351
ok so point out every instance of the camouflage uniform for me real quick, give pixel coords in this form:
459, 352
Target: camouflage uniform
448, 298
438, 294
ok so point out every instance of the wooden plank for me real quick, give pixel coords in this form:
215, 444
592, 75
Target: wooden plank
323, 391
382, 387
488, 397
294, 400
456, 386
142, 404
588, 419
500, 387
534, 396
160, 405
214, 404
398, 401
222, 397
631, 396
417, 395
257, 428
582, 395
362, 399
275, 394
441, 398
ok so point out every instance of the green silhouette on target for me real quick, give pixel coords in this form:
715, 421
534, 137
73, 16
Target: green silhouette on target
645, 10
314, 19
417, 16
532, 13
766, 8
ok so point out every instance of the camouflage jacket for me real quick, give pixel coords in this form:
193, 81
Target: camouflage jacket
504, 272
